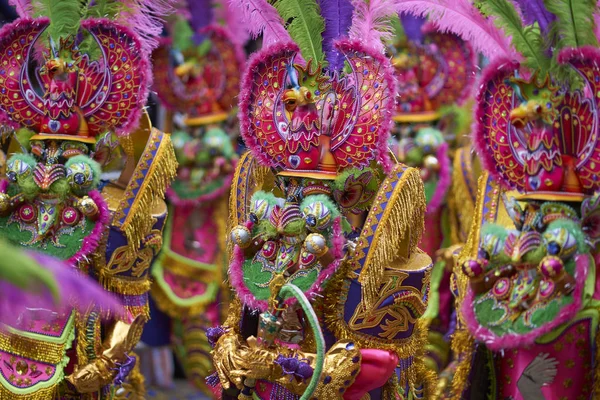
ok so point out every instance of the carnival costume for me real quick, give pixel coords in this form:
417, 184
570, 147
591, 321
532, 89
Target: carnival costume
326, 304
197, 73
76, 86
434, 72
526, 278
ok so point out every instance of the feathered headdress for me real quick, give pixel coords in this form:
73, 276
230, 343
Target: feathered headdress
90, 73
318, 97
197, 69
537, 113
433, 70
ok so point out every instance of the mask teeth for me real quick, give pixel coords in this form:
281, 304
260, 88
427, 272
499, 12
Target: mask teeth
528, 242
45, 175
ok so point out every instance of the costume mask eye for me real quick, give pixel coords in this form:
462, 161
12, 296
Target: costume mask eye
82, 173
317, 215
19, 166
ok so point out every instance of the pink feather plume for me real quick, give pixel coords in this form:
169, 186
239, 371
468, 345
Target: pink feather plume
145, 17
258, 17
233, 21
463, 19
23, 7
370, 23
76, 291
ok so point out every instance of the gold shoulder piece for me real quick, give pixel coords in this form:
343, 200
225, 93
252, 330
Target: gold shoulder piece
155, 169
392, 230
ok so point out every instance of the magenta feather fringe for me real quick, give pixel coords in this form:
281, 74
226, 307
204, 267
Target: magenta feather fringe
233, 22
511, 341
143, 67
90, 243
23, 7
3, 185
370, 23
76, 291
383, 152
338, 240
145, 18
499, 67
246, 95
179, 202
259, 17
463, 19
445, 178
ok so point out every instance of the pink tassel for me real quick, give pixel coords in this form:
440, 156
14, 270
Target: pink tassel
370, 23
463, 19
258, 17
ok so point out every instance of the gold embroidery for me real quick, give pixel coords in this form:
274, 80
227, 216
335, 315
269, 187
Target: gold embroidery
401, 217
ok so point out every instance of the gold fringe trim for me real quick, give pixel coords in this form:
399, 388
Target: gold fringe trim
38, 350
48, 393
460, 202
162, 171
123, 285
398, 232
463, 344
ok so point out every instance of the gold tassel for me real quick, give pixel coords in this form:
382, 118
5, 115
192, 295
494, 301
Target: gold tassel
463, 344
460, 201
123, 285
162, 171
398, 232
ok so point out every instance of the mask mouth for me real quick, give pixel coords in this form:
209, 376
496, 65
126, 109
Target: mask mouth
45, 175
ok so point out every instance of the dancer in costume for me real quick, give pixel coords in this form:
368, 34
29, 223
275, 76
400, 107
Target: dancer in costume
197, 73
326, 303
76, 84
434, 71
527, 277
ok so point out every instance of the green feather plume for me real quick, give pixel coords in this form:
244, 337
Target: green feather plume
65, 17
103, 9
305, 25
527, 40
29, 275
182, 35
399, 35
575, 22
